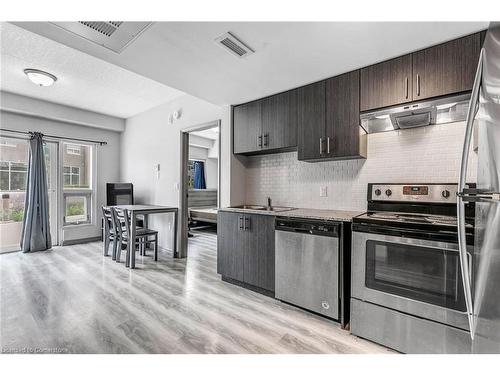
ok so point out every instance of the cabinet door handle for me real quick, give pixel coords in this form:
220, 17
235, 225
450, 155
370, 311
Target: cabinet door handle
260, 140
266, 139
406, 87
321, 146
247, 223
418, 84
327, 145
240, 223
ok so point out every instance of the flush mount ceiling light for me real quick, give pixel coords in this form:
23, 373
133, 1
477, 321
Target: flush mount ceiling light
40, 78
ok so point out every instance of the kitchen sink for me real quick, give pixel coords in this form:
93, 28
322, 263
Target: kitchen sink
263, 208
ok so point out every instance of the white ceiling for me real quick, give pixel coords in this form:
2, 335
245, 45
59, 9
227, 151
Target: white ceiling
84, 81
287, 54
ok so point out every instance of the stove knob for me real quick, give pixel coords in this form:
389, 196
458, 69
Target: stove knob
388, 192
445, 194
377, 192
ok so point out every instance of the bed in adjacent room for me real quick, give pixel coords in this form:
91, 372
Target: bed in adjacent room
202, 206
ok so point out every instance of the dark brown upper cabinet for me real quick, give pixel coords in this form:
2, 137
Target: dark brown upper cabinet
266, 125
447, 68
328, 113
482, 37
311, 108
279, 121
247, 126
345, 139
387, 83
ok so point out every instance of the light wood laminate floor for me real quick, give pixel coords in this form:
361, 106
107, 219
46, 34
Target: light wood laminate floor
73, 300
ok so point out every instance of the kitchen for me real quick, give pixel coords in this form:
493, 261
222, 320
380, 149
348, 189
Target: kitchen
386, 139
233, 187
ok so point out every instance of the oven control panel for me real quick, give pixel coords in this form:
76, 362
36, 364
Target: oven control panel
425, 193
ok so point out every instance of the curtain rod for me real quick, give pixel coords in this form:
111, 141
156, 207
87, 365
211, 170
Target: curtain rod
102, 143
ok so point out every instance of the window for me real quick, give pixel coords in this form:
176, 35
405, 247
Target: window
73, 149
13, 176
191, 174
71, 176
77, 207
77, 189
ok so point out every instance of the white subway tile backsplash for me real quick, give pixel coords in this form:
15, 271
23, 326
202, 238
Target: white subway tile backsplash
429, 154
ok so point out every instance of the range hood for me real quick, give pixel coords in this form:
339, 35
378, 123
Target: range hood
413, 115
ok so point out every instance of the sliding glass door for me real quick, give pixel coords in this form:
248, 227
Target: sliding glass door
13, 178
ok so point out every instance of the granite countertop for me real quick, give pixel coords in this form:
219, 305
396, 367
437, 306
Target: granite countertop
306, 213
311, 213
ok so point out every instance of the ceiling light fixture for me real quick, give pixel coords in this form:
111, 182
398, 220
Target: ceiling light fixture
40, 78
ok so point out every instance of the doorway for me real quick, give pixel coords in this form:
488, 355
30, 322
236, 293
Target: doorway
13, 177
199, 182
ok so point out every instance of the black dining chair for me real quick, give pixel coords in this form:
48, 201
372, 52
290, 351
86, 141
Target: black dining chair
143, 236
109, 234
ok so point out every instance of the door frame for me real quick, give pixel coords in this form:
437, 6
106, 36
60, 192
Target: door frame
183, 190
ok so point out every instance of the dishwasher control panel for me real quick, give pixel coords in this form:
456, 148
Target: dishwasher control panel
316, 227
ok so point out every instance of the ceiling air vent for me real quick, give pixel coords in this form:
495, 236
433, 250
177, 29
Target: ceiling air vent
232, 44
103, 27
114, 35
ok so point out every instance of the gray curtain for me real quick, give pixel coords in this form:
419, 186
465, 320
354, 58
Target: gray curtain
36, 230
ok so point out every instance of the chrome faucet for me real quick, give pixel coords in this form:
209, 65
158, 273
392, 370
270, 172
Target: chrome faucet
269, 205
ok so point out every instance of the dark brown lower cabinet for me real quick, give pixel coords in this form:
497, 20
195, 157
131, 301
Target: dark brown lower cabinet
231, 242
258, 263
245, 249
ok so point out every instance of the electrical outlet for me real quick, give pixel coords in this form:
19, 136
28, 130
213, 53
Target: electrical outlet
323, 191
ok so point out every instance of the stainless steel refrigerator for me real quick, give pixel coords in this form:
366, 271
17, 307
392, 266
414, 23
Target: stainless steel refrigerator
481, 277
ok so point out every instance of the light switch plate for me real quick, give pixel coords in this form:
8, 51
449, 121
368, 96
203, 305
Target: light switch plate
323, 191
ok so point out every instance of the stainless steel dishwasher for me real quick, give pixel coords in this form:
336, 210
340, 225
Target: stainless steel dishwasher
307, 264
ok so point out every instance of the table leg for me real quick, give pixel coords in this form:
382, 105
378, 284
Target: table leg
133, 218
146, 226
176, 254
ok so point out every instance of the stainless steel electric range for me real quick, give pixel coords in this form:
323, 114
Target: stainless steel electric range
406, 288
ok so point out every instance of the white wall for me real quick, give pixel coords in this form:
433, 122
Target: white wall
107, 159
20, 104
429, 154
149, 139
211, 173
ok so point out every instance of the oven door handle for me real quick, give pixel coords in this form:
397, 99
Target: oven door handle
462, 244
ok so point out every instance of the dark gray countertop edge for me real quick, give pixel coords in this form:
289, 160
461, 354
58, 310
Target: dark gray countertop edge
306, 213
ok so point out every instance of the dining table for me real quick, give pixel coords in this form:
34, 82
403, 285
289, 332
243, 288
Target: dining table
145, 210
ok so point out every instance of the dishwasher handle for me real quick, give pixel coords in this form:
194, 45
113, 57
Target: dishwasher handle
302, 230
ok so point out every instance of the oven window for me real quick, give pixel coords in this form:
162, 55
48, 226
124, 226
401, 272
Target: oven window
420, 273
